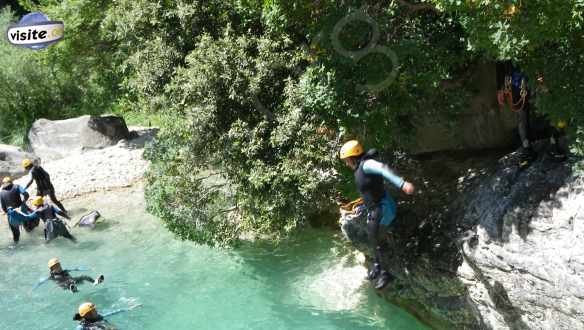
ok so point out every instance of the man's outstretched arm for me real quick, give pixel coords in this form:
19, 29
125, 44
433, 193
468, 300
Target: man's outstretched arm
372, 166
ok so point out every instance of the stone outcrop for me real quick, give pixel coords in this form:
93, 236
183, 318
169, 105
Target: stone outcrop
486, 246
480, 125
52, 140
11, 158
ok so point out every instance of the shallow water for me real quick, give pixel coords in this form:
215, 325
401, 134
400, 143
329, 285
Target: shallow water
312, 282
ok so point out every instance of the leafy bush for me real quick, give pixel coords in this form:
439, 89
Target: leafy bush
265, 151
35, 85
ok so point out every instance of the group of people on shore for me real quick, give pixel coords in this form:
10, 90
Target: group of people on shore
13, 201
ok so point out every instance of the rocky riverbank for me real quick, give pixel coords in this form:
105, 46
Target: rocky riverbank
82, 155
112, 167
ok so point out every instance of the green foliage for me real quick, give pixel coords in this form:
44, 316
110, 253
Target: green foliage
55, 83
543, 37
267, 111
273, 164
254, 97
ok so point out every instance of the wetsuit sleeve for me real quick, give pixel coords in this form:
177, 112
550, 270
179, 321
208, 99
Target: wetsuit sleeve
117, 311
17, 217
3, 202
30, 216
78, 269
41, 282
372, 166
23, 192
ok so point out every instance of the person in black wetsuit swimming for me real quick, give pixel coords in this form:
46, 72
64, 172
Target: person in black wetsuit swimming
90, 319
64, 279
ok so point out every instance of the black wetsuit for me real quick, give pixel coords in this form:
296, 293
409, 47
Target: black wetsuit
10, 197
98, 324
54, 226
44, 185
381, 208
68, 282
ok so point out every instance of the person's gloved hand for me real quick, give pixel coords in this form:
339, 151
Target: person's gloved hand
408, 188
98, 280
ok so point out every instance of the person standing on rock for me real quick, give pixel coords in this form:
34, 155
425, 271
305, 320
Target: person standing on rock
43, 182
381, 208
10, 198
513, 90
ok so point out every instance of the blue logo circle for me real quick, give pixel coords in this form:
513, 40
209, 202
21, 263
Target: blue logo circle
35, 31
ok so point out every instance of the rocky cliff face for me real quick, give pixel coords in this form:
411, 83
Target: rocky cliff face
485, 246
480, 125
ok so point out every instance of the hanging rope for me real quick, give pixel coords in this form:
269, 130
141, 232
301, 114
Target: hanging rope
515, 107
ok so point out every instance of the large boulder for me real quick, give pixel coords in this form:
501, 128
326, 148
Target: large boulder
484, 245
524, 262
11, 158
57, 139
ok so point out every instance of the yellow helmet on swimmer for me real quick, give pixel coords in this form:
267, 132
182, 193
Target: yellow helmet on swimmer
26, 163
38, 201
351, 149
86, 308
53, 262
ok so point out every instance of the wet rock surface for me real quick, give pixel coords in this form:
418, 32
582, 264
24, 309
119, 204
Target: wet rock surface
483, 245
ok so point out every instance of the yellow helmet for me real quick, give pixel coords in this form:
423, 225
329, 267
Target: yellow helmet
351, 148
511, 10
6, 180
38, 201
53, 262
86, 308
561, 124
26, 163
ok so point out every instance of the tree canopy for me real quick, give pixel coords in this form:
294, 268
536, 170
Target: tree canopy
256, 96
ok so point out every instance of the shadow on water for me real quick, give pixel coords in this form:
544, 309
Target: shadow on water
318, 275
185, 286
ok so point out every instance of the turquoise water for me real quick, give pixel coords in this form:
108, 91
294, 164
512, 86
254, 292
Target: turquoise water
312, 282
